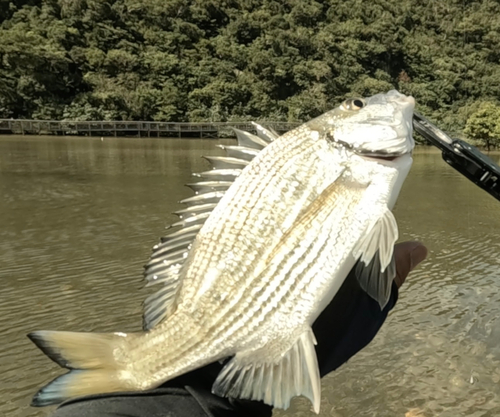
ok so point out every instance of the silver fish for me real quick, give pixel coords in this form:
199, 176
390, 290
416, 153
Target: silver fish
259, 252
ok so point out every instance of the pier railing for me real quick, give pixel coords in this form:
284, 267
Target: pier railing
131, 128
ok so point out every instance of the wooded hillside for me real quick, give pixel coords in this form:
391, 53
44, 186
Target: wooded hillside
222, 60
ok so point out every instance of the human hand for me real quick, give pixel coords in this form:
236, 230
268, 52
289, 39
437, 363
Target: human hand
407, 255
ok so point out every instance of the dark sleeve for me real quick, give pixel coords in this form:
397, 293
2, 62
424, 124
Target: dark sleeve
346, 326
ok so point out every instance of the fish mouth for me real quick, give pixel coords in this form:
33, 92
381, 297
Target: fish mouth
384, 156
375, 154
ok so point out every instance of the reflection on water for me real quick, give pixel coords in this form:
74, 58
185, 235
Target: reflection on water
79, 216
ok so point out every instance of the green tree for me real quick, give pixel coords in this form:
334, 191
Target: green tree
484, 125
182, 60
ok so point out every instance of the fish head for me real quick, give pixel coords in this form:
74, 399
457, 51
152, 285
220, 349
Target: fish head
380, 126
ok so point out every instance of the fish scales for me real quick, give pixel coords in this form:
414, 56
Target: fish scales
284, 281
257, 226
221, 314
205, 316
214, 328
277, 282
264, 262
286, 159
243, 288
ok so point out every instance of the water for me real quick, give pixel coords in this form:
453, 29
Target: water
78, 219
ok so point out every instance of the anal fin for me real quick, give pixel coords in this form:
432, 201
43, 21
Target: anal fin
273, 377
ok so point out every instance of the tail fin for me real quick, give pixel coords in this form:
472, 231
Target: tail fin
92, 360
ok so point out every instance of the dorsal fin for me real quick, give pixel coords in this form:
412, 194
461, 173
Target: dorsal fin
167, 259
265, 134
250, 141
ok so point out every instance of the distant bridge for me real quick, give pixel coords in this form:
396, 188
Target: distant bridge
137, 129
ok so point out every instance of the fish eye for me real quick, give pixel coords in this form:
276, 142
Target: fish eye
353, 104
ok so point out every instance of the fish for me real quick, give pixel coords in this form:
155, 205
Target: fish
260, 249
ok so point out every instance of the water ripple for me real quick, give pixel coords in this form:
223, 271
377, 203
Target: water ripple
79, 217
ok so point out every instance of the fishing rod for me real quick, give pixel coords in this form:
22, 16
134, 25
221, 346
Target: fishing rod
463, 157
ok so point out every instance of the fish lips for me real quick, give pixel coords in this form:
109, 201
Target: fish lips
382, 156
388, 150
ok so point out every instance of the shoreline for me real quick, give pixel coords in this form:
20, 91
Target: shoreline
147, 129
139, 129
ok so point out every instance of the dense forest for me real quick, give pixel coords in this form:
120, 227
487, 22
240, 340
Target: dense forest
224, 60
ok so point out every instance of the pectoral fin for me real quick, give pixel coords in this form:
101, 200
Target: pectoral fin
375, 283
381, 235
376, 268
273, 377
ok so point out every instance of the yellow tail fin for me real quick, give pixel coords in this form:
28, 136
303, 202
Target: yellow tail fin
92, 360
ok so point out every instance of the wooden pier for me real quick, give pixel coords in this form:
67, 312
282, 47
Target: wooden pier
137, 129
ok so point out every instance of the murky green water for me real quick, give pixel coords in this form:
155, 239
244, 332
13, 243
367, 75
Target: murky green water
79, 216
